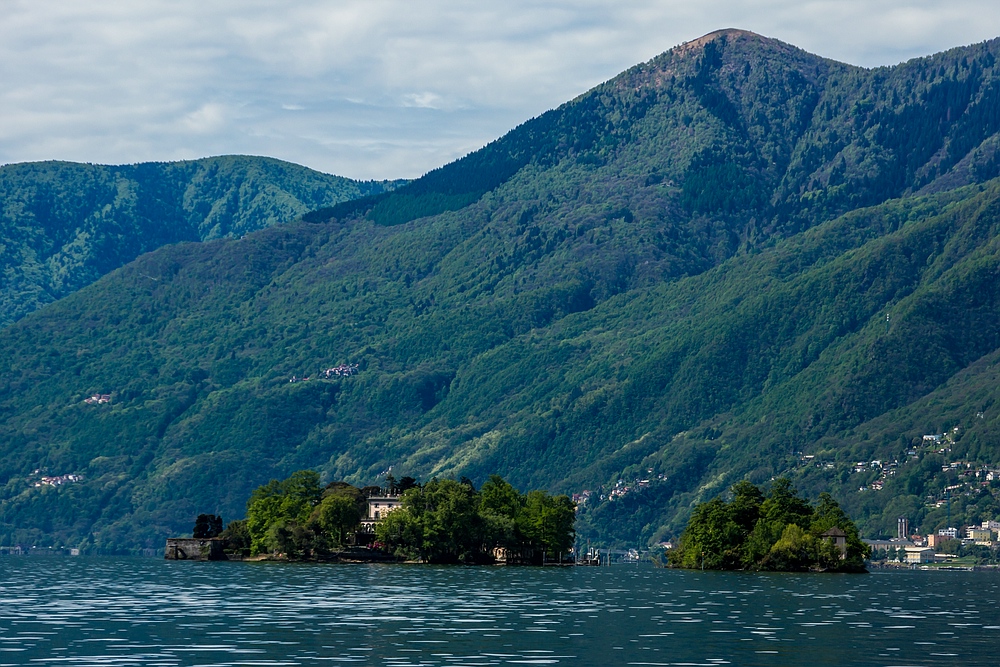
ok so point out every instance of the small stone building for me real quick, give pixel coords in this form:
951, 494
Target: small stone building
190, 548
839, 539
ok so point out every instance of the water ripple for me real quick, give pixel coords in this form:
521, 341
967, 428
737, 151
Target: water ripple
147, 612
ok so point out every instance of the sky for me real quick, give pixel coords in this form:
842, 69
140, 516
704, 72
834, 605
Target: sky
375, 89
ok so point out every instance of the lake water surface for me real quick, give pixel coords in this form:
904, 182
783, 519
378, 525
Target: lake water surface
83, 611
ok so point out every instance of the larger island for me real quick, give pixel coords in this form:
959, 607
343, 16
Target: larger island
441, 521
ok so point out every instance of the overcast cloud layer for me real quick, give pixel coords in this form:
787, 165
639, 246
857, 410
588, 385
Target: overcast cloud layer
377, 88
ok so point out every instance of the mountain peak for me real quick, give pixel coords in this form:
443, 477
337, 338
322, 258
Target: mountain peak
741, 43
727, 33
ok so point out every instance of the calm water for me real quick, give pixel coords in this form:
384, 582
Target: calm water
78, 611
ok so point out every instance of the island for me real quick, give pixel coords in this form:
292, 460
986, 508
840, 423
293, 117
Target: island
776, 530
442, 521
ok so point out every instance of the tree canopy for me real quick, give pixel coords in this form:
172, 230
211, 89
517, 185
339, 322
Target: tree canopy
445, 521
207, 526
777, 530
298, 517
442, 521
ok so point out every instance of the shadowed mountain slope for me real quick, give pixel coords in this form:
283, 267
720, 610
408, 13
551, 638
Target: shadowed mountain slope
64, 225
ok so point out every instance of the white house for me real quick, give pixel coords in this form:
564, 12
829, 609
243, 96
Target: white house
378, 508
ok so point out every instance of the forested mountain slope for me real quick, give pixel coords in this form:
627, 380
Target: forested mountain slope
64, 225
676, 280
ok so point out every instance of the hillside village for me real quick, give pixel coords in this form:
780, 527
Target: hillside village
54, 480
965, 546
343, 370
958, 483
873, 475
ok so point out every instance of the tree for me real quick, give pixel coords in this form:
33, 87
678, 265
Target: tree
263, 510
236, 538
779, 531
207, 526
500, 504
391, 486
745, 506
286, 502
546, 522
711, 539
337, 514
828, 514
400, 486
290, 538
446, 521
783, 504
302, 493
795, 550
781, 507
402, 533
441, 523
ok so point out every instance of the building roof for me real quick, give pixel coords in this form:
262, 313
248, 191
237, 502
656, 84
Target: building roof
894, 542
834, 532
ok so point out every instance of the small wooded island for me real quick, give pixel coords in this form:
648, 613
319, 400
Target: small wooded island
777, 531
442, 521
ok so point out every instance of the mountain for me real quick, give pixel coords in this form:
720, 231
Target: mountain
735, 260
64, 225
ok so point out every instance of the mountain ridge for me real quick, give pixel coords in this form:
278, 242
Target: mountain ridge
64, 224
684, 285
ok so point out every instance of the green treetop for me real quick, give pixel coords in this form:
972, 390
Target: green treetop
298, 517
450, 522
776, 531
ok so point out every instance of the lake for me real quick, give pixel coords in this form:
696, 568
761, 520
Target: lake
120, 611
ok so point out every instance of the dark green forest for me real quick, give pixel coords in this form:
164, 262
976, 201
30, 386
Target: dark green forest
64, 225
735, 261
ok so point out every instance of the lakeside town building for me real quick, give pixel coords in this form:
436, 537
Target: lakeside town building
917, 550
919, 555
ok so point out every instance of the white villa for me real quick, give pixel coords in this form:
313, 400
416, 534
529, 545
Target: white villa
378, 507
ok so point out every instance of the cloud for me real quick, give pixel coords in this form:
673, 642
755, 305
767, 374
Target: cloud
209, 118
377, 88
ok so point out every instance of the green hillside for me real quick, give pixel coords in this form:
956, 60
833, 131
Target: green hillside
64, 225
680, 279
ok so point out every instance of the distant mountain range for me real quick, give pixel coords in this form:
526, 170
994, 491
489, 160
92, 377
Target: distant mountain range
64, 225
738, 260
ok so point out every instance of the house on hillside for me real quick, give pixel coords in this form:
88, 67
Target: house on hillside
935, 541
982, 536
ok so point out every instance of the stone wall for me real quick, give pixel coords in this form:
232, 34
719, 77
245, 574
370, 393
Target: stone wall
189, 548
